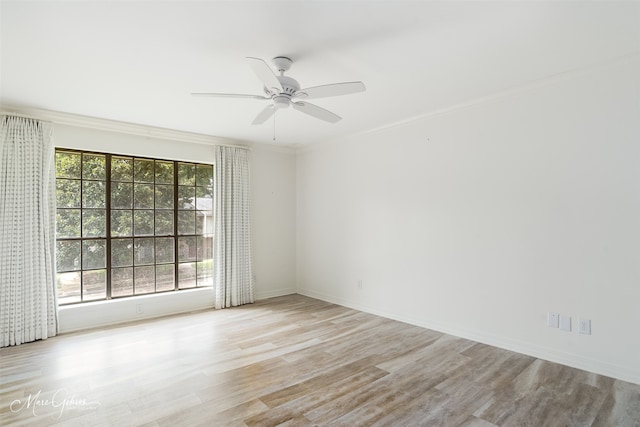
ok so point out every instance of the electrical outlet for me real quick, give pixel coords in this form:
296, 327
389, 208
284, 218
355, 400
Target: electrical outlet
565, 323
360, 284
139, 309
553, 320
585, 326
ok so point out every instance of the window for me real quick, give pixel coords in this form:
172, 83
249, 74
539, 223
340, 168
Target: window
130, 226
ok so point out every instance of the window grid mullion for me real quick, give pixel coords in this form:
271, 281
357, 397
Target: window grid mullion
81, 228
153, 227
175, 226
107, 204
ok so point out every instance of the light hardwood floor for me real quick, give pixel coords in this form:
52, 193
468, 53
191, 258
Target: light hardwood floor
295, 361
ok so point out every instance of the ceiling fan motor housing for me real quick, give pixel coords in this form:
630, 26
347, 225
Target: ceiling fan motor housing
289, 85
282, 98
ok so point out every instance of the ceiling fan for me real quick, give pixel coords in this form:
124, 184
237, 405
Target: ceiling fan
285, 91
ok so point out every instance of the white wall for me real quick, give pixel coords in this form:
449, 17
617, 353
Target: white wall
479, 221
273, 183
273, 216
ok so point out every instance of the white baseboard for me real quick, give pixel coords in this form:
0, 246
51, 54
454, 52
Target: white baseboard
105, 313
569, 359
275, 293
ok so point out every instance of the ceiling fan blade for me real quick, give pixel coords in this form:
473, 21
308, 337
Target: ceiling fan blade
264, 115
228, 95
334, 89
265, 74
315, 111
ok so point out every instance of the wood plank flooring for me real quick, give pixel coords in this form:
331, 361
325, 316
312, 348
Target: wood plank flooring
295, 361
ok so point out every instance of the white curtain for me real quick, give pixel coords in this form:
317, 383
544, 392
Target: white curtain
232, 239
28, 306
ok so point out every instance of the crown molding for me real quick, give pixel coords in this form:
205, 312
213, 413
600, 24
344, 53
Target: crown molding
96, 123
629, 58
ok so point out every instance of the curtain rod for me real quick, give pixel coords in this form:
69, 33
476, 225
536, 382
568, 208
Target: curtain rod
244, 147
26, 116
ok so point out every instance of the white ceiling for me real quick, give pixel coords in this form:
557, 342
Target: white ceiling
138, 61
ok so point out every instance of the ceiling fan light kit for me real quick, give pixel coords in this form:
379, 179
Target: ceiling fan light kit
284, 91
281, 101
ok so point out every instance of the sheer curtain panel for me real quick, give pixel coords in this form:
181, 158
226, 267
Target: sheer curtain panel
232, 239
28, 306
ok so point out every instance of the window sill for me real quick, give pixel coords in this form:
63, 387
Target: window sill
98, 314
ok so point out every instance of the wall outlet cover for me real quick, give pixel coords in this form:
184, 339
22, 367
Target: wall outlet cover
585, 326
553, 320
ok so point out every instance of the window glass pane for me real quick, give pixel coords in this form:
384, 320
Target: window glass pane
205, 273
68, 287
67, 193
67, 255
67, 223
93, 254
143, 170
93, 166
186, 197
204, 222
164, 249
186, 222
204, 203
143, 196
204, 193
121, 223
121, 282
121, 195
143, 251
67, 165
143, 223
164, 172
165, 277
93, 194
205, 247
93, 223
187, 275
186, 249
204, 175
121, 252
164, 196
94, 285
164, 223
144, 279
186, 174
121, 169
